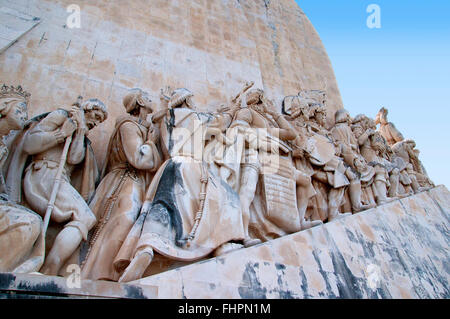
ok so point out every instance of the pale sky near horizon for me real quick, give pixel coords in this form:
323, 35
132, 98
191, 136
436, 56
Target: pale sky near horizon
403, 66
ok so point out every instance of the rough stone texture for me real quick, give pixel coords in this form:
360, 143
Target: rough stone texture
209, 46
407, 239
13, 25
39, 286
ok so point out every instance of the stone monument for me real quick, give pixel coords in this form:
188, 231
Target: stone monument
212, 158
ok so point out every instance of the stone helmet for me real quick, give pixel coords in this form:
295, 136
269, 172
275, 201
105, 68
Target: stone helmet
359, 118
342, 116
179, 96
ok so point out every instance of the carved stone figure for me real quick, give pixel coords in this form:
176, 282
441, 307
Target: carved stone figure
311, 143
406, 151
313, 98
348, 148
189, 211
297, 108
258, 132
414, 184
402, 148
371, 146
21, 246
184, 185
388, 129
272, 190
343, 135
316, 154
133, 158
366, 176
44, 142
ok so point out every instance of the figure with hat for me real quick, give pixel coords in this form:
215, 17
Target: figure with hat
189, 211
314, 153
348, 148
133, 158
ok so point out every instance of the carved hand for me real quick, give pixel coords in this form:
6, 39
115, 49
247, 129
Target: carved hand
164, 96
77, 115
153, 134
300, 153
68, 127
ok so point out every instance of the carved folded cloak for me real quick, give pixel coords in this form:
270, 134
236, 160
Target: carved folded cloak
118, 198
21, 229
173, 200
84, 178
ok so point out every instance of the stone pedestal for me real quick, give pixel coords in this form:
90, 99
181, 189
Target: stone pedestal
398, 250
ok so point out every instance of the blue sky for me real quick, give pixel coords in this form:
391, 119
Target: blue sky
403, 66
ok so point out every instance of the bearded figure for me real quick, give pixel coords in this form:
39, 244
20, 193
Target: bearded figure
133, 158
37, 158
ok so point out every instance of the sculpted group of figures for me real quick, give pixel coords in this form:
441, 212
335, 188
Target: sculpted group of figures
185, 184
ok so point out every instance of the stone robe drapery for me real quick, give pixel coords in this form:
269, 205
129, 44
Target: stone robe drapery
119, 196
342, 133
83, 179
173, 198
21, 243
390, 133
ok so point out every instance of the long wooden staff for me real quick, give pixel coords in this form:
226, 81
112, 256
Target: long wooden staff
62, 163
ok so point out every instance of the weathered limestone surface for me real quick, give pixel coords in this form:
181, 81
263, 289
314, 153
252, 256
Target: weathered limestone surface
38, 286
14, 24
209, 46
400, 249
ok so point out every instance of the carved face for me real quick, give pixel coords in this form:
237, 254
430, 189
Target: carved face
371, 124
144, 101
357, 129
253, 97
321, 118
342, 116
190, 102
93, 118
377, 142
298, 109
17, 113
359, 164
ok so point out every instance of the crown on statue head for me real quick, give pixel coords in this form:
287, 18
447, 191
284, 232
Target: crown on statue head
10, 91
